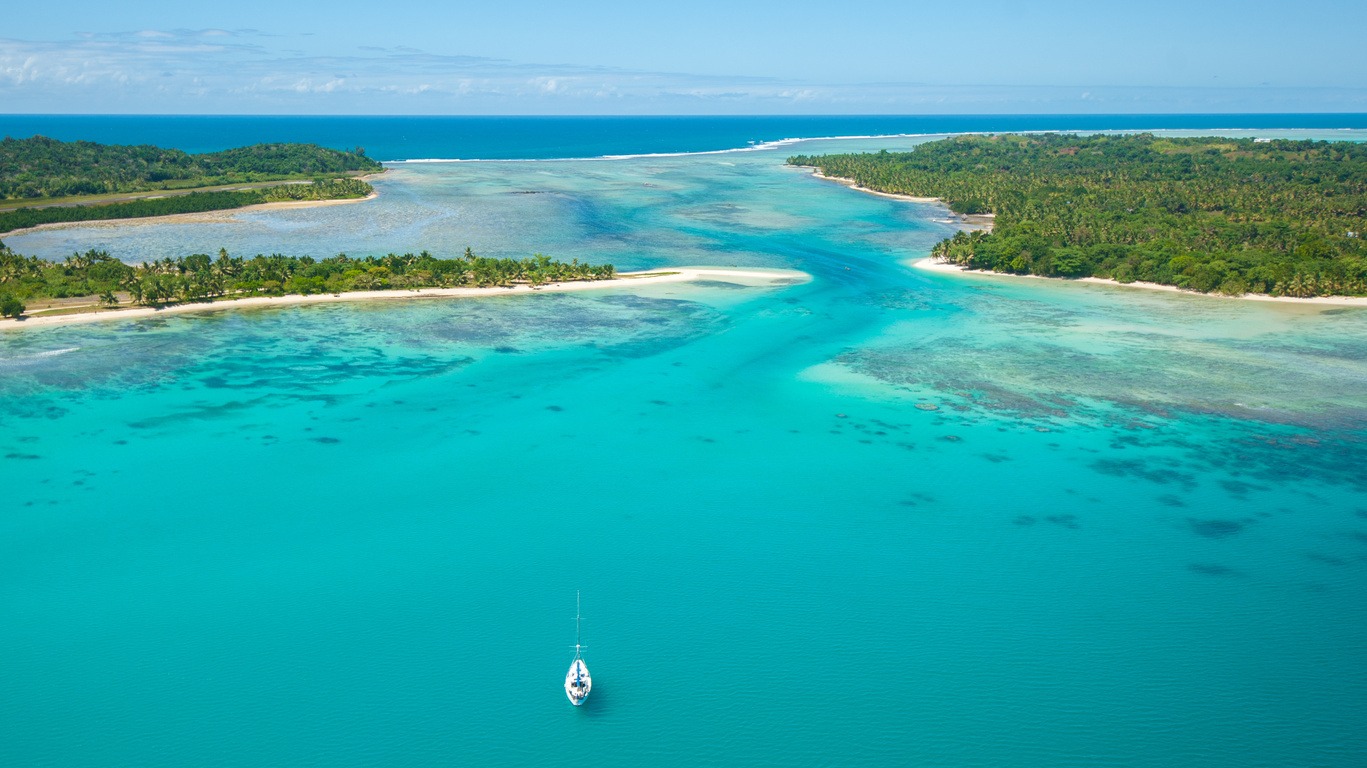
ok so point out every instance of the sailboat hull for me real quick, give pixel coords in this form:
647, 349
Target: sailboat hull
578, 683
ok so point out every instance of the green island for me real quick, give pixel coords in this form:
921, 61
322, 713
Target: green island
1233, 216
45, 181
93, 280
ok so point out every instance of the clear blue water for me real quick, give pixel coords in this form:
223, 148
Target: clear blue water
408, 138
887, 517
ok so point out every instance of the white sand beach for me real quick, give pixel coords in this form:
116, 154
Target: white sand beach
224, 214
981, 221
752, 277
932, 265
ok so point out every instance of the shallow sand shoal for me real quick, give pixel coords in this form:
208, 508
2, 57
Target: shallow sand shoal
752, 277
932, 265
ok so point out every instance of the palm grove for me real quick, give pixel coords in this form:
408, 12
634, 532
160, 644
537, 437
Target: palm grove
55, 180
200, 277
1208, 214
40, 167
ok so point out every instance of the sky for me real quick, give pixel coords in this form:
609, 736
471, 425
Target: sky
509, 57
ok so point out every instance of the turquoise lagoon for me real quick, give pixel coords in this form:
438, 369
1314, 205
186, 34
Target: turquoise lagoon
886, 517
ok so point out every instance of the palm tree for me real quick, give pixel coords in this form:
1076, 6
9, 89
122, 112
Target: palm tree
136, 291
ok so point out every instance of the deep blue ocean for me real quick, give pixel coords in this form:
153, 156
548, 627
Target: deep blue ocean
509, 138
883, 517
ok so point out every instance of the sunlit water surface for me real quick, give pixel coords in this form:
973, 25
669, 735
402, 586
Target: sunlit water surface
887, 517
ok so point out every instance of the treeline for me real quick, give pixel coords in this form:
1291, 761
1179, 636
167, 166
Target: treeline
202, 277
40, 167
194, 202
1209, 214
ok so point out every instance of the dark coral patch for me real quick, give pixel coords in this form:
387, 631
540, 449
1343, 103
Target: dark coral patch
1236, 488
1137, 469
1215, 529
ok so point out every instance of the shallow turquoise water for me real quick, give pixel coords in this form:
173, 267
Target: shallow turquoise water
1133, 530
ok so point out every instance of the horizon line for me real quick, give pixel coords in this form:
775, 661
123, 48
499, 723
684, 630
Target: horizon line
806, 115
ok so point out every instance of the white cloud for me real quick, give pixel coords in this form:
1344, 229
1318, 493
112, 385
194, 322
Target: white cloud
246, 71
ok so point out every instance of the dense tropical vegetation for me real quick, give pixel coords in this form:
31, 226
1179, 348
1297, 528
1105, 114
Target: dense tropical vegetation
201, 277
194, 202
63, 181
40, 167
1209, 214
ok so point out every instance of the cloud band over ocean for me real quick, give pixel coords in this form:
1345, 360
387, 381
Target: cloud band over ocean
251, 72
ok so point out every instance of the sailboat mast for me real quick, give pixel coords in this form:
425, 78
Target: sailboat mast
576, 622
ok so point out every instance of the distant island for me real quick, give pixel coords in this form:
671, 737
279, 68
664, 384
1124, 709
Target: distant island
45, 181
95, 280
1233, 216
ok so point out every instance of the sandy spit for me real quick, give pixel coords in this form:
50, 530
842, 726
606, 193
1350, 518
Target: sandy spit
752, 277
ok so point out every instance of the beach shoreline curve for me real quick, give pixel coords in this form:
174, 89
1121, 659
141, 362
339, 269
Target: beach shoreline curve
931, 264
220, 214
976, 221
753, 277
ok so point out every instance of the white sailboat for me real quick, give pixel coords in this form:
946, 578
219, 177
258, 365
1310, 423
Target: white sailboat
577, 680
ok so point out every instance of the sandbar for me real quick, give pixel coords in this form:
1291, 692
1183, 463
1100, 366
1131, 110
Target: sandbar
752, 277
